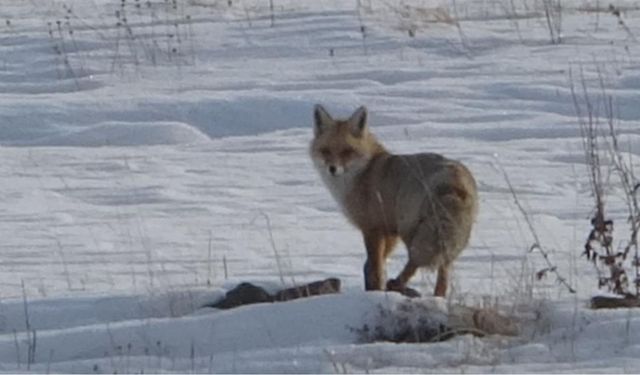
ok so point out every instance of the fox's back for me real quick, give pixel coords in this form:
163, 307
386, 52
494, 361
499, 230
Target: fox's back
396, 192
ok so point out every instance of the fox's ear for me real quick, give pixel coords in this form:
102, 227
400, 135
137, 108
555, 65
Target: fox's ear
321, 118
358, 121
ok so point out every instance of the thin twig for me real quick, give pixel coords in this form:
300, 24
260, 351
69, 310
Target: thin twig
274, 247
536, 245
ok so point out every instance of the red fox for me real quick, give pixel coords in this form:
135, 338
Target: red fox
426, 200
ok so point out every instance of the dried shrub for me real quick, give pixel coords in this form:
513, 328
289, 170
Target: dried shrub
600, 141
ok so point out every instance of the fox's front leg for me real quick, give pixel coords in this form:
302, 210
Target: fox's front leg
442, 281
374, 266
399, 284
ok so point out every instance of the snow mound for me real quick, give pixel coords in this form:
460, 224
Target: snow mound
148, 331
234, 114
127, 134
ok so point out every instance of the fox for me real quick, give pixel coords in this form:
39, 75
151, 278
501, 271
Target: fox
426, 200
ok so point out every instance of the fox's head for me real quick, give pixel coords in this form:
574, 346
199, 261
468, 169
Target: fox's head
342, 145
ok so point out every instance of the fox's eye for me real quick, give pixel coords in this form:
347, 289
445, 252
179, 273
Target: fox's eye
325, 152
346, 154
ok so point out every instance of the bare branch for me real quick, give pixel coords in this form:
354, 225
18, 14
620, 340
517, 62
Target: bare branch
551, 268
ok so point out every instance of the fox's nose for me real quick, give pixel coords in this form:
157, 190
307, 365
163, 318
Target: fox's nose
333, 170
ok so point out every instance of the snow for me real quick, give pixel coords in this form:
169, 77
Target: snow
149, 167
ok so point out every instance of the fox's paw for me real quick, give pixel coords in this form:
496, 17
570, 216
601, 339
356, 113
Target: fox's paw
395, 286
410, 292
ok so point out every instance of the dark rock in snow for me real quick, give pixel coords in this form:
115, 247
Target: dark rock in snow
247, 293
243, 294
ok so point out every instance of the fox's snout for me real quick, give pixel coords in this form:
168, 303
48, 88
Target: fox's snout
336, 170
336, 158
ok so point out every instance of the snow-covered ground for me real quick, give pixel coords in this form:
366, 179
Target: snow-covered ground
154, 155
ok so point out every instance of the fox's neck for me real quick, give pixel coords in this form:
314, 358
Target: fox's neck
377, 149
342, 185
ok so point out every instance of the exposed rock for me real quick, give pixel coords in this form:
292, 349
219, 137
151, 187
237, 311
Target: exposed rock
602, 302
247, 293
243, 294
327, 286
